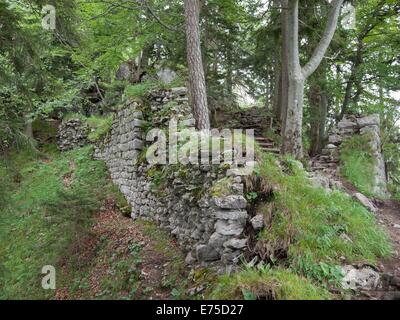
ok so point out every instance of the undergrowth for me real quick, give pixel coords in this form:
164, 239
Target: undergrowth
40, 217
357, 163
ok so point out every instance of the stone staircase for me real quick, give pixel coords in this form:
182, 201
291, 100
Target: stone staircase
258, 120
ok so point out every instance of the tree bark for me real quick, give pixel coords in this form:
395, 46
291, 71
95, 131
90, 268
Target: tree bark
292, 128
284, 64
195, 64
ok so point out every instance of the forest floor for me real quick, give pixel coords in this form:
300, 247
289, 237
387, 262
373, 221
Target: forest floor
123, 258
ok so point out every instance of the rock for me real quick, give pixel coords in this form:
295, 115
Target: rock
231, 215
359, 279
229, 228
347, 124
257, 222
334, 139
365, 202
206, 253
179, 91
231, 202
372, 120
319, 181
166, 75
370, 129
190, 259
345, 237
217, 240
236, 243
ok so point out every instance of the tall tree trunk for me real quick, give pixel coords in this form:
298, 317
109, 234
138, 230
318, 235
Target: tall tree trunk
284, 64
292, 128
196, 71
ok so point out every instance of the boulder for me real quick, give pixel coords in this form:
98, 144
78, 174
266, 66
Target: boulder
359, 279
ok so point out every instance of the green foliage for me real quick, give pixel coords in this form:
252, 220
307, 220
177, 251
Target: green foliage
307, 226
268, 284
357, 163
100, 127
140, 90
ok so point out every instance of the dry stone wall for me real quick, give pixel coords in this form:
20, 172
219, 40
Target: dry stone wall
326, 166
209, 225
72, 134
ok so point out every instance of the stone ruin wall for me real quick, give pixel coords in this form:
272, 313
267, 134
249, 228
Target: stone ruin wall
361, 125
209, 228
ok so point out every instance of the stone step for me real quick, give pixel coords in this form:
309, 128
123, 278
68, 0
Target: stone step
271, 150
262, 139
266, 144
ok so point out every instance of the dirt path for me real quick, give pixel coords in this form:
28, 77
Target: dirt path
388, 216
123, 259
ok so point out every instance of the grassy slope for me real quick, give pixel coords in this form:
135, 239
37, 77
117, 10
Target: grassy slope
310, 234
37, 215
98, 253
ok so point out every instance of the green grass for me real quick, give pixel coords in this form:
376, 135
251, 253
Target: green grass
99, 126
267, 284
308, 224
40, 218
357, 163
303, 240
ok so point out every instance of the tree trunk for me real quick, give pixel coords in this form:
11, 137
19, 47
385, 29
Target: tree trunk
284, 65
292, 128
196, 71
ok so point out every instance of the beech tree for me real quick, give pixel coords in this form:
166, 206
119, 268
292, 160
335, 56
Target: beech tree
292, 126
197, 81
